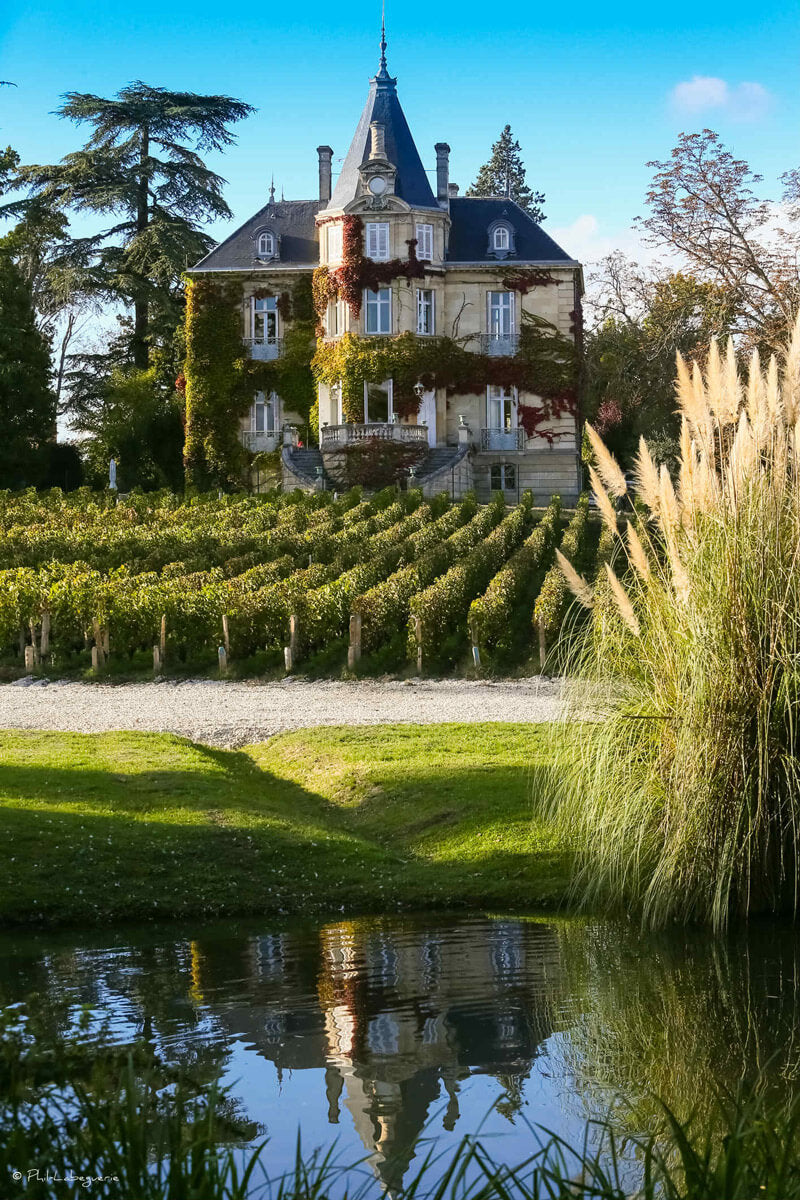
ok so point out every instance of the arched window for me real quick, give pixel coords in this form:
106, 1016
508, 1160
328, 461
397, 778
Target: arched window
266, 245
500, 240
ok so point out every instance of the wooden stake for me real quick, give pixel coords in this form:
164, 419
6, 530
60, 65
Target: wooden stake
287, 658
44, 644
106, 642
354, 649
162, 645
97, 659
156, 660
223, 661
418, 633
29, 658
33, 642
294, 635
542, 646
226, 635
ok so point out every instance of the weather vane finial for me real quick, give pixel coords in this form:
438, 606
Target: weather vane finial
383, 36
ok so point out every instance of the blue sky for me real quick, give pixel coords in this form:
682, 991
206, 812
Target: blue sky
592, 92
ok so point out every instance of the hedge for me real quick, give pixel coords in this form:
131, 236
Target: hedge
491, 615
553, 599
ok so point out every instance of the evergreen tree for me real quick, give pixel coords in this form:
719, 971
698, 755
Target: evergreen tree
27, 405
141, 166
504, 175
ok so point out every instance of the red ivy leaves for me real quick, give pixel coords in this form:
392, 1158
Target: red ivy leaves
357, 272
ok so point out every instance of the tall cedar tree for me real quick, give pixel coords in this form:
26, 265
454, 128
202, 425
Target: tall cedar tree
142, 166
27, 405
504, 175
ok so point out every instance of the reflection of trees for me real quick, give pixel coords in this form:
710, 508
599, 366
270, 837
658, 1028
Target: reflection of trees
680, 1015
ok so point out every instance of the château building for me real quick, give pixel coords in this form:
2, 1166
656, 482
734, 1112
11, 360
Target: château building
472, 311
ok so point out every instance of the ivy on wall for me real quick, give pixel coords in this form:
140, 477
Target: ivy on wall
213, 373
358, 272
221, 379
546, 364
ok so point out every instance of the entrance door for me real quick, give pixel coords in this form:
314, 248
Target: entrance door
427, 415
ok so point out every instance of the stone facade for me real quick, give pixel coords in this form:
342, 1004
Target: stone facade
468, 247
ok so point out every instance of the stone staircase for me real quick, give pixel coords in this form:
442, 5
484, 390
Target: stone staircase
303, 464
439, 458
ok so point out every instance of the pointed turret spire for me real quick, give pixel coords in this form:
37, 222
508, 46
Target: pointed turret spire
383, 75
272, 190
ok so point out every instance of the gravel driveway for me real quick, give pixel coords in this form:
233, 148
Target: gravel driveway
236, 714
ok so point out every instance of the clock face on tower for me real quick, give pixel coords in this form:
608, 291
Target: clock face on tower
377, 185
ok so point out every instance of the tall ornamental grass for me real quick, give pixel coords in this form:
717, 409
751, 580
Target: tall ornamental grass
683, 798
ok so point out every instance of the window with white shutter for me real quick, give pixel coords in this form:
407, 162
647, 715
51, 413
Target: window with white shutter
425, 242
425, 320
334, 243
377, 240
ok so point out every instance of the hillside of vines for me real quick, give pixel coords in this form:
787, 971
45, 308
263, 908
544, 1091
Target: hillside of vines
264, 585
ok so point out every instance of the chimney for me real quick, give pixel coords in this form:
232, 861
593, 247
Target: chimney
442, 170
452, 190
377, 140
325, 154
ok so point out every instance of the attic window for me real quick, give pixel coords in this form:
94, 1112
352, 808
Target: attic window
501, 239
266, 245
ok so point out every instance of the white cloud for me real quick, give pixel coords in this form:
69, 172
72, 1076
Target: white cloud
744, 102
588, 241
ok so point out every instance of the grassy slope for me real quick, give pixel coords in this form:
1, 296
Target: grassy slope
108, 826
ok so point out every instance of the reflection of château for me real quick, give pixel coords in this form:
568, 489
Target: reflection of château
398, 1017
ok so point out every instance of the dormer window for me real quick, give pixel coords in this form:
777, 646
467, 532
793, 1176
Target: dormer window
501, 238
265, 245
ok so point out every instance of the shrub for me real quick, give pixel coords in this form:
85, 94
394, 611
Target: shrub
552, 601
684, 801
440, 609
491, 615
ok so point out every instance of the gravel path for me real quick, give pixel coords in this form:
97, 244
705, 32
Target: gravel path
236, 714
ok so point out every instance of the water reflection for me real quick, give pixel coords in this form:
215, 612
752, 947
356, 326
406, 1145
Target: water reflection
377, 1031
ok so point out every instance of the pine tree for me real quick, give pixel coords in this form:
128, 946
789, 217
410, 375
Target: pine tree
504, 175
27, 404
141, 166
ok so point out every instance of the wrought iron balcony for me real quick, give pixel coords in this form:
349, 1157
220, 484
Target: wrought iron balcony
503, 439
333, 436
499, 344
264, 349
258, 442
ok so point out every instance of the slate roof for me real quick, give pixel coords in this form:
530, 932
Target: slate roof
471, 217
292, 222
411, 183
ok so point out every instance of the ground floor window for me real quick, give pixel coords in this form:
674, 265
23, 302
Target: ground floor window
503, 477
264, 413
378, 401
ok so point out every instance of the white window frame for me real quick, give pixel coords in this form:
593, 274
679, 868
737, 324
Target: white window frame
501, 238
430, 304
502, 307
269, 413
336, 318
377, 240
500, 395
378, 303
266, 305
334, 243
390, 407
424, 235
265, 247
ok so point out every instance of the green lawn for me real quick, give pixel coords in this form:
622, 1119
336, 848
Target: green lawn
126, 825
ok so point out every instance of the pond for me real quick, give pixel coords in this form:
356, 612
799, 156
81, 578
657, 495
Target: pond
372, 1034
